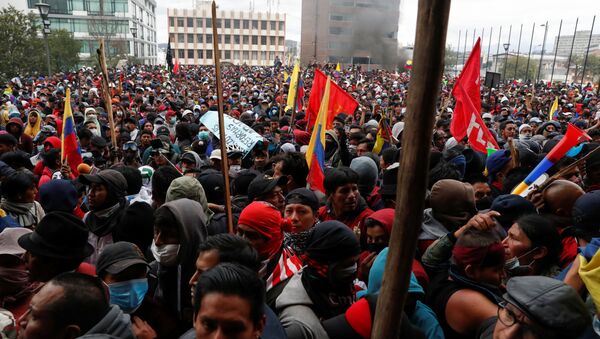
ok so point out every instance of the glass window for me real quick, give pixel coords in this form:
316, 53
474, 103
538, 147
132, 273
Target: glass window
254, 55
254, 24
179, 22
181, 53
199, 22
209, 54
236, 39
78, 5
281, 25
263, 40
218, 23
227, 23
236, 23
246, 40
227, 54
228, 39
273, 25
255, 40
190, 53
246, 24
190, 38
281, 41
236, 55
209, 38
199, 38
272, 40
180, 37
263, 24
246, 55
340, 30
263, 55
200, 54
208, 22
190, 22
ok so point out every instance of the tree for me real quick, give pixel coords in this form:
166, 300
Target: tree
450, 59
64, 50
21, 50
521, 73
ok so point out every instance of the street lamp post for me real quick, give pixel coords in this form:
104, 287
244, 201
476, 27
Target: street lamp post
506, 46
134, 34
369, 64
44, 9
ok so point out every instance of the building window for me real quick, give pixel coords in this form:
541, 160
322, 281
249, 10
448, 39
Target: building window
209, 38
199, 38
246, 40
190, 38
263, 24
340, 30
200, 54
208, 22
199, 22
190, 22
236, 55
282, 25
281, 41
227, 23
171, 22
236, 39
246, 24
218, 23
254, 55
227, 55
254, 24
263, 40
340, 17
179, 22
263, 55
255, 40
181, 37
228, 39
273, 25
236, 23
246, 55
190, 53
272, 40
181, 53
209, 53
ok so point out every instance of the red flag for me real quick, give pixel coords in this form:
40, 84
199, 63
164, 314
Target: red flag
176, 67
339, 100
466, 120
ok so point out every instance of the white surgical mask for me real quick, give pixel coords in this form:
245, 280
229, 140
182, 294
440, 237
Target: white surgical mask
166, 255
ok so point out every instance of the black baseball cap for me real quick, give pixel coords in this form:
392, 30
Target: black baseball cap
118, 256
263, 185
303, 196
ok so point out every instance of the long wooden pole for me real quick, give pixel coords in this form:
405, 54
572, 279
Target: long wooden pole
224, 163
106, 92
432, 25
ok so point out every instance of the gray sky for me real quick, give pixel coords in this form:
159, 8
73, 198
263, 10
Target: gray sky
464, 15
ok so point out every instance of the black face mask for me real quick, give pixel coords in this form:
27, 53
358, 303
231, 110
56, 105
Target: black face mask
483, 203
376, 247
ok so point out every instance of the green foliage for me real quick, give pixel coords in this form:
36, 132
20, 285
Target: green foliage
521, 72
23, 52
21, 48
64, 51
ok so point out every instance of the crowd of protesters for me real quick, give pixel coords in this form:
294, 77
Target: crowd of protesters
133, 243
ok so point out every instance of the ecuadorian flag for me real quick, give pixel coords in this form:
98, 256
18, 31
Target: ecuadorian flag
384, 134
315, 155
554, 110
69, 145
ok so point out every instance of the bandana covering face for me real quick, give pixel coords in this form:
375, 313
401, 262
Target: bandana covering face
265, 219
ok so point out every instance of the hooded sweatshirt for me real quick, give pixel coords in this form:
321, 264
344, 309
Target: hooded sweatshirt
30, 130
25, 141
115, 324
189, 187
173, 290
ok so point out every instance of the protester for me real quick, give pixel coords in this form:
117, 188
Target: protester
19, 191
301, 209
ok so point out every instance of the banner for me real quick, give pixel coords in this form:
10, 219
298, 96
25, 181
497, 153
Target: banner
238, 136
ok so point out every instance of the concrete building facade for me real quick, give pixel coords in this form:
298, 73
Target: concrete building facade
252, 38
90, 20
361, 32
563, 45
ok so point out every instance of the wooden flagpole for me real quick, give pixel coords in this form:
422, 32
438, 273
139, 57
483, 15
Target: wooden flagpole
106, 93
430, 42
224, 164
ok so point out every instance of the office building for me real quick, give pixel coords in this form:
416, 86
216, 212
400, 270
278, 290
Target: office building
361, 32
582, 38
252, 38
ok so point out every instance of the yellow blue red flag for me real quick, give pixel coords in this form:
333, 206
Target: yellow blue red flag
315, 155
